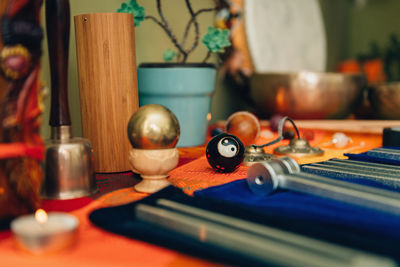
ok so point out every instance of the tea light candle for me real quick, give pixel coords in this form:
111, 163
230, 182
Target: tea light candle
42, 232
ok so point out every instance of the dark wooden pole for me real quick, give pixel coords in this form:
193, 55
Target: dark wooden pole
58, 26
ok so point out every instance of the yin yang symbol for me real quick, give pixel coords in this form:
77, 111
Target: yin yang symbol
228, 147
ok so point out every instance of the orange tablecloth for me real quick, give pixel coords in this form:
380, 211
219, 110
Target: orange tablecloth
96, 247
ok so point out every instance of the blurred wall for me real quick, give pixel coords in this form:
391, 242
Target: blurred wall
151, 41
336, 20
373, 22
349, 29
229, 99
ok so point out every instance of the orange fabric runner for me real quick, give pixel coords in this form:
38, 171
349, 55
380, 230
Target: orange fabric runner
12, 150
96, 247
198, 174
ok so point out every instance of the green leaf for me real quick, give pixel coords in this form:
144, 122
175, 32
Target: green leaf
132, 7
216, 39
169, 55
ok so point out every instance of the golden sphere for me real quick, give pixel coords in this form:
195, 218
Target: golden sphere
153, 126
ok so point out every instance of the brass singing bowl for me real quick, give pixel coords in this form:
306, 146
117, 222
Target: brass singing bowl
307, 95
385, 100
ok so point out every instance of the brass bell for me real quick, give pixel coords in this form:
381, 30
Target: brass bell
299, 147
254, 154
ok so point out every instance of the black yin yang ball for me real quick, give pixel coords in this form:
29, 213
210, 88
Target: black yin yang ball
225, 152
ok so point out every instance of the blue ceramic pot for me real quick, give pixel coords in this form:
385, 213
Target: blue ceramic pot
186, 89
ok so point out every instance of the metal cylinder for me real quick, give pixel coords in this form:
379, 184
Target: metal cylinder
68, 169
262, 178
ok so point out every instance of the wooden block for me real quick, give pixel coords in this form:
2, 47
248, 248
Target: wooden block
105, 44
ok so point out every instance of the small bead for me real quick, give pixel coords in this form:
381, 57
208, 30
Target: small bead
340, 140
288, 135
274, 122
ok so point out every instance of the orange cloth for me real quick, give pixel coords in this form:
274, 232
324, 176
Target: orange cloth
198, 174
96, 247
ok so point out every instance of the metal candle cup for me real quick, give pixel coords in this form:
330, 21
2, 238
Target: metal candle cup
57, 233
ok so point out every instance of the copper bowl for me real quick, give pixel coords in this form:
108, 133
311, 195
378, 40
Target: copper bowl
385, 100
307, 95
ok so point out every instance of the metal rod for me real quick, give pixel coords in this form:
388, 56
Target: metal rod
366, 163
387, 150
266, 177
354, 172
261, 243
351, 193
314, 245
385, 153
382, 170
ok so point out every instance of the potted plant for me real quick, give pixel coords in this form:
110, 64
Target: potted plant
185, 88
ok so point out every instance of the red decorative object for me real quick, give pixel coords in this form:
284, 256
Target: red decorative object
21, 146
243, 125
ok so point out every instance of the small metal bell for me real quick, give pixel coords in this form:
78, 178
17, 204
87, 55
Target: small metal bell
253, 154
299, 147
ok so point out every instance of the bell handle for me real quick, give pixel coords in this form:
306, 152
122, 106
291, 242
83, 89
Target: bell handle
58, 27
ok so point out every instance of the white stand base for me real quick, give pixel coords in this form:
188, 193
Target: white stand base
153, 166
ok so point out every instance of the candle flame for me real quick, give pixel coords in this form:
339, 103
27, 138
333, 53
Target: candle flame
41, 216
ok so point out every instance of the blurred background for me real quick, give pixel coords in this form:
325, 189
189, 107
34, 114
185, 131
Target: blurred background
354, 30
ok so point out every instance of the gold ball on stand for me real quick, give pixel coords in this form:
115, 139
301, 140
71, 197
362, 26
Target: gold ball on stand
153, 126
153, 131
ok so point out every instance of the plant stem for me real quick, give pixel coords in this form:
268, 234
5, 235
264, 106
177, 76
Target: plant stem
164, 25
192, 19
207, 57
196, 27
157, 21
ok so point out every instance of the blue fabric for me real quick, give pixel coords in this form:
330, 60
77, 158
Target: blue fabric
316, 208
333, 221
310, 216
122, 220
312, 208
378, 158
339, 219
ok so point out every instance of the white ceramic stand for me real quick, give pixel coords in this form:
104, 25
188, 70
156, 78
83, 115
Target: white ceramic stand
153, 166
